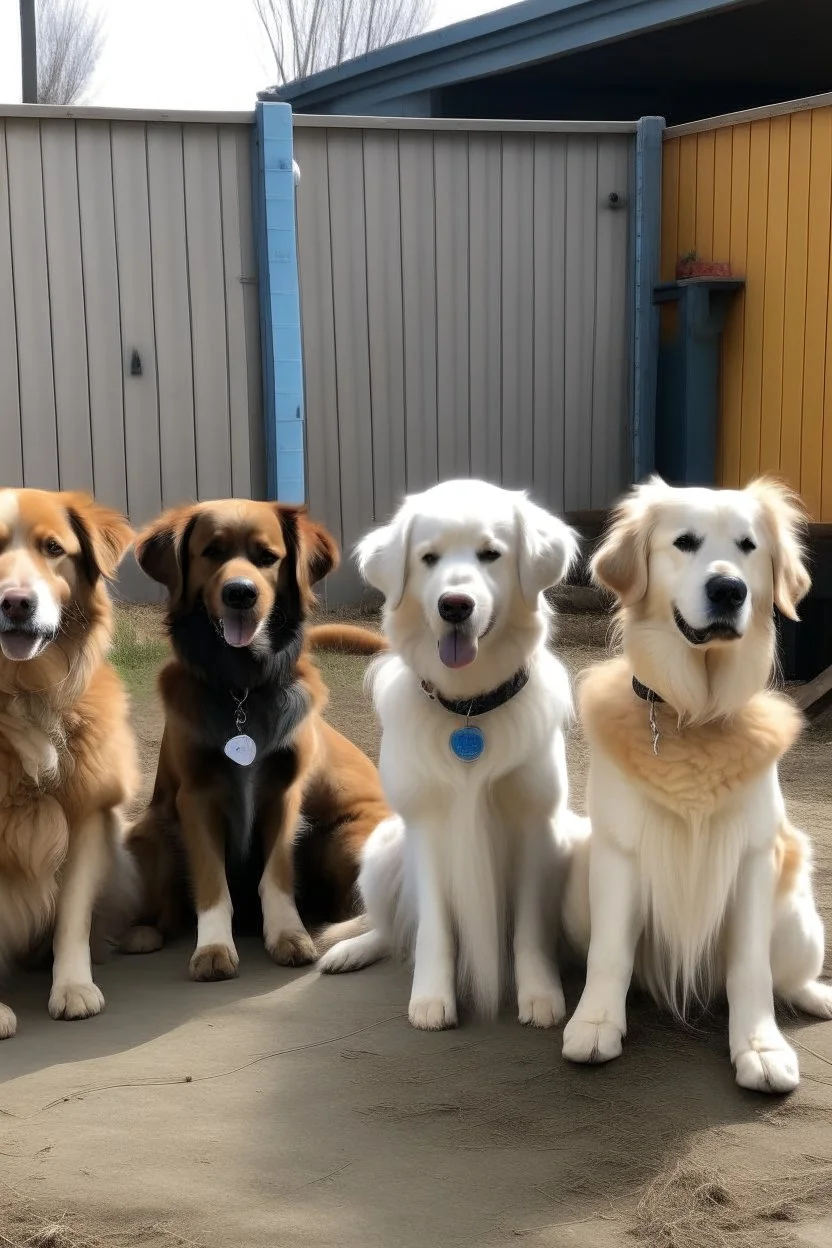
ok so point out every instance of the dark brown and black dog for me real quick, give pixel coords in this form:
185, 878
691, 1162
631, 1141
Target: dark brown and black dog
250, 775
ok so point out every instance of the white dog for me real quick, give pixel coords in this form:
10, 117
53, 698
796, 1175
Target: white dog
693, 876
472, 707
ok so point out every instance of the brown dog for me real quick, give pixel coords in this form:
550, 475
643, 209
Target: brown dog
67, 759
248, 768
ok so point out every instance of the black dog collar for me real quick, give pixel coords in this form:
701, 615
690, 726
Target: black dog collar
646, 695
483, 702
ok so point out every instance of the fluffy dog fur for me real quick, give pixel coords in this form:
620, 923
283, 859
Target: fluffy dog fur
67, 760
474, 845
693, 876
304, 808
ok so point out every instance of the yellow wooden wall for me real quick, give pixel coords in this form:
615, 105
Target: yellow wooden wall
759, 194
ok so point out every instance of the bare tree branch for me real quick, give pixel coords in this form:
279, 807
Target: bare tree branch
306, 36
70, 43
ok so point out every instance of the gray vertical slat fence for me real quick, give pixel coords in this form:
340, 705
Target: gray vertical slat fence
417, 205
102, 311
450, 158
66, 296
485, 368
385, 317
11, 450
123, 231
323, 454
33, 322
172, 310
465, 309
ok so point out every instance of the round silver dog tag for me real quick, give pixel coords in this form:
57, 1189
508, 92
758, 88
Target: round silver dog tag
241, 750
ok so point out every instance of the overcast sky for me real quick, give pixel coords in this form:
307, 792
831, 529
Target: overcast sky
181, 53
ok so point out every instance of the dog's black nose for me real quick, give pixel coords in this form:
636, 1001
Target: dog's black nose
456, 608
240, 594
18, 605
726, 593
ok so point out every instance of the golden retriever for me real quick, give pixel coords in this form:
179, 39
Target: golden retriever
67, 761
693, 876
250, 776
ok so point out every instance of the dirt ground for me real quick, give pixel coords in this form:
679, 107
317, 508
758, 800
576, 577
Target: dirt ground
287, 1109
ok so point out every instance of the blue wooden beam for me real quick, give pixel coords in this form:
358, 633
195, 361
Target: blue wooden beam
280, 331
647, 226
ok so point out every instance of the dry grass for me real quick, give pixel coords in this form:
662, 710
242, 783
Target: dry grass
139, 647
697, 1207
23, 1226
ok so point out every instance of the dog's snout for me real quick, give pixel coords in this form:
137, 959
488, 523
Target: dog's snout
240, 594
726, 593
18, 605
456, 608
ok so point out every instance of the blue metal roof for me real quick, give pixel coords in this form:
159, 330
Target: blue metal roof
509, 38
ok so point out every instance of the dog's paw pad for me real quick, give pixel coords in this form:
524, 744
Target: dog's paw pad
71, 1001
768, 1070
432, 1013
292, 949
591, 1042
213, 962
541, 1009
142, 940
8, 1023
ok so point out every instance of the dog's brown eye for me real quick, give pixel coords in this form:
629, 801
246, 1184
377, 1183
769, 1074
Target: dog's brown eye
747, 545
214, 551
488, 556
53, 549
265, 559
688, 542
430, 560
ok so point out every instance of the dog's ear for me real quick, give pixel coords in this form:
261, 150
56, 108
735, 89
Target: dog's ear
784, 520
317, 551
159, 547
382, 557
620, 562
547, 550
103, 534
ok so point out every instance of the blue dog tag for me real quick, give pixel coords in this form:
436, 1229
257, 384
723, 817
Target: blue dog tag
467, 743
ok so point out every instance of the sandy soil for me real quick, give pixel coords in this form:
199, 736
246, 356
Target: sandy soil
285, 1109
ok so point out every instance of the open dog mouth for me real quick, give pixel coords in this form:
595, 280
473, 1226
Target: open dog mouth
719, 630
459, 648
238, 628
21, 644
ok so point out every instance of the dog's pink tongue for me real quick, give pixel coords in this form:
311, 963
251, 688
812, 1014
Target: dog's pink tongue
238, 631
19, 646
455, 650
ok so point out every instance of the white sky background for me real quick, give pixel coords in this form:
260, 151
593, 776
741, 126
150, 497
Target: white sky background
208, 54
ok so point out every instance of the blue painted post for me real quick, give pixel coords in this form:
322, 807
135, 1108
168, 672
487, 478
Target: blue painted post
647, 224
280, 332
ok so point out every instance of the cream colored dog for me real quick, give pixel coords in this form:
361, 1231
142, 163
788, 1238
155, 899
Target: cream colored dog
478, 847
693, 875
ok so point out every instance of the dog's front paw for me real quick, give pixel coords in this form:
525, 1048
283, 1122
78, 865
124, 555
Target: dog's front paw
432, 1013
541, 1007
211, 962
292, 949
773, 1070
591, 1042
347, 955
8, 1023
71, 1001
